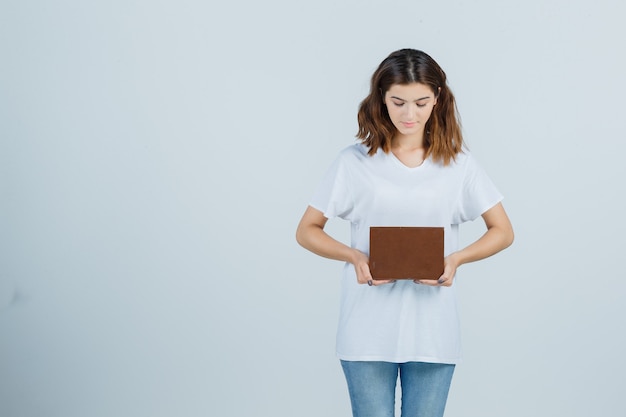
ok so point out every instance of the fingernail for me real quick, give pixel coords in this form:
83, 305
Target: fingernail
441, 280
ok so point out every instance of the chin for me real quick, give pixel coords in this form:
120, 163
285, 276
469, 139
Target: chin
410, 131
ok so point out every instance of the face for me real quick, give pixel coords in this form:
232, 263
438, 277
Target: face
409, 107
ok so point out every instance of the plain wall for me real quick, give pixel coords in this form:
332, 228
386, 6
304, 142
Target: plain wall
155, 158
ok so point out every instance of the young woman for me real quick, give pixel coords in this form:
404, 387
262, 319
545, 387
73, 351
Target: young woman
410, 169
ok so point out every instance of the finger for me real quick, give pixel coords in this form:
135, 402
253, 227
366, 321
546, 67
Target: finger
365, 276
383, 281
445, 280
430, 282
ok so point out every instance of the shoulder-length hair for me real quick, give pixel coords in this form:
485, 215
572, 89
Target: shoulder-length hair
443, 139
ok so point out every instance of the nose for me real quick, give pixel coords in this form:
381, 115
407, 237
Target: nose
410, 111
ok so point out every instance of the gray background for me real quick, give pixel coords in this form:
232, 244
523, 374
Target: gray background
155, 158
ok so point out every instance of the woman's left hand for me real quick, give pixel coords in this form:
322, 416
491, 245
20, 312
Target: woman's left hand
498, 236
445, 280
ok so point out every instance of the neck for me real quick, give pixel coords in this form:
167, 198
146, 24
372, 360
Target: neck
408, 143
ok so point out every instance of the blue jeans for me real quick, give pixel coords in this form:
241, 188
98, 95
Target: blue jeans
372, 387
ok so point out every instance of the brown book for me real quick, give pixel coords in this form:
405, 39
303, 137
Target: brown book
406, 252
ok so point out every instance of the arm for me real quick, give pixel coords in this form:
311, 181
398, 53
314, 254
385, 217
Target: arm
311, 235
499, 235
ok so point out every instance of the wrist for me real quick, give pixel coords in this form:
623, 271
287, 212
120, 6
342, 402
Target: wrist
456, 259
355, 256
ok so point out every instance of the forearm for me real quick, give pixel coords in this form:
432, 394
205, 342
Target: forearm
311, 235
493, 241
315, 239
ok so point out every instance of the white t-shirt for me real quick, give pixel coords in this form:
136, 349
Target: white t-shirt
403, 321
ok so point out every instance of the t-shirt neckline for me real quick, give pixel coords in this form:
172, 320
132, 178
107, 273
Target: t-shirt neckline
399, 162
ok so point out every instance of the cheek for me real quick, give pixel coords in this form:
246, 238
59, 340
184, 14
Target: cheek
427, 112
395, 112
391, 113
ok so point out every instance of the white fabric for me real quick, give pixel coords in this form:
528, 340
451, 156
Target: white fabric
404, 321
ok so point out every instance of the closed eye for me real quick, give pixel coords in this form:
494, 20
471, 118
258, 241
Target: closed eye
401, 103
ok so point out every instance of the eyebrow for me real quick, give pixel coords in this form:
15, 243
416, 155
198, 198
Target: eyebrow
401, 99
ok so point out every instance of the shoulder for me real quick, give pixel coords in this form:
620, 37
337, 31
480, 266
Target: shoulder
353, 154
463, 165
470, 168
464, 160
355, 150
463, 157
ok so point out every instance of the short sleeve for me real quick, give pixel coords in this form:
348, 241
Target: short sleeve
333, 197
478, 193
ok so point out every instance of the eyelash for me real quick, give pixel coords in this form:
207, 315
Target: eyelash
402, 104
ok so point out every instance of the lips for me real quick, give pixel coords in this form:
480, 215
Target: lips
408, 125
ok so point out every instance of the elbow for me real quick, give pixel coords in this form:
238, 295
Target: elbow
301, 235
509, 237
306, 235
503, 236
307, 231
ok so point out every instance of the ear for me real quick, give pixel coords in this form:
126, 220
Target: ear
437, 95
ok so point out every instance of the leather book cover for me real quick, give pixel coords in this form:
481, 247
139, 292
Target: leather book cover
406, 252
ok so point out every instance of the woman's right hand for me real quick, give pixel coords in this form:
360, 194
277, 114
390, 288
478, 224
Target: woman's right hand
311, 235
362, 268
